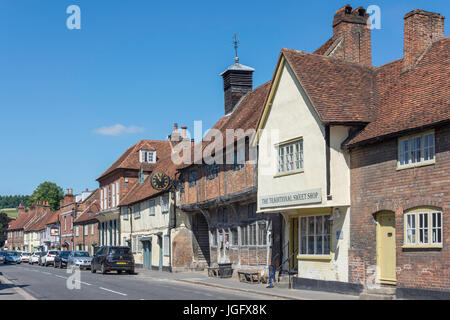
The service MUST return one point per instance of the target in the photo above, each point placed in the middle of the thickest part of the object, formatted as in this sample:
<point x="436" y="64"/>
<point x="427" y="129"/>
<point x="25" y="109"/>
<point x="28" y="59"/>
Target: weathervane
<point x="236" y="44"/>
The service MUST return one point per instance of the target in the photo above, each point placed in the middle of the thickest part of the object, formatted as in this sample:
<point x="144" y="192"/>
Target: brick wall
<point x="376" y="185"/>
<point x="88" y="239"/>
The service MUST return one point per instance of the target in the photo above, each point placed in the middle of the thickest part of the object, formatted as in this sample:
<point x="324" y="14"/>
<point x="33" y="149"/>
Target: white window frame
<point x="324" y="218"/>
<point x="113" y="192"/>
<point x="137" y="213"/>
<point x="77" y="231"/>
<point x="86" y="229"/>
<point x="164" y="204"/>
<point x="147" y="156"/>
<point x="290" y="157"/>
<point x="92" y="229"/>
<point x="152" y="207"/>
<point x="117" y="192"/>
<point x="101" y="198"/>
<point x="423" y="229"/>
<point x="407" y="148"/>
<point x="166" y="245"/>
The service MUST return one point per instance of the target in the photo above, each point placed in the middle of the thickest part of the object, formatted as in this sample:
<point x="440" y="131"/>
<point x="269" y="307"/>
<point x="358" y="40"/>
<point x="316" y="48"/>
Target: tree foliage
<point x="47" y="191"/>
<point x="4" y="220"/>
<point x="12" y="201"/>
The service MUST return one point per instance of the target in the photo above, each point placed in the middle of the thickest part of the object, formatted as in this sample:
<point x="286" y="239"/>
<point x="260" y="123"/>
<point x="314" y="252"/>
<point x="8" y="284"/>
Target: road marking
<point x="123" y="294"/>
<point x="60" y="276"/>
<point x="45" y="272"/>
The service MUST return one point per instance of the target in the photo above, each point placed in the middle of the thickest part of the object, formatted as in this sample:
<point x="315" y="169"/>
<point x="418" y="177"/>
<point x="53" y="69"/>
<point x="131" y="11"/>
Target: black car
<point x="109" y="258"/>
<point x="61" y="259"/>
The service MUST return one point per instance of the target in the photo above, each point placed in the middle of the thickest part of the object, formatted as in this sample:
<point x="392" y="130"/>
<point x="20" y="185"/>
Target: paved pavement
<point x="47" y="283"/>
<point x="202" y="279"/>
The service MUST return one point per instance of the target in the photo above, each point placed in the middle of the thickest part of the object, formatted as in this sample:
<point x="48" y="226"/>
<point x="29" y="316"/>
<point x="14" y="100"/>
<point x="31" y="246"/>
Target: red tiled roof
<point x="411" y="99"/>
<point x="92" y="206"/>
<point x="130" y="158"/>
<point x="245" y="116"/>
<point x="144" y="191"/>
<point x="339" y="91"/>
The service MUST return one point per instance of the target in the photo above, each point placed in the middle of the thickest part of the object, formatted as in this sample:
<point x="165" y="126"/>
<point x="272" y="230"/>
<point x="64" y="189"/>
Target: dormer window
<point x="147" y="156"/>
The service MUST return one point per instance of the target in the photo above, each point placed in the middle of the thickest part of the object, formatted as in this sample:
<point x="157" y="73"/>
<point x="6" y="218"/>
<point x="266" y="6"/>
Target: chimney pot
<point x="184" y="131"/>
<point x="192" y="142"/>
<point x="175" y="127"/>
<point x="352" y="36"/>
<point x="421" y="29"/>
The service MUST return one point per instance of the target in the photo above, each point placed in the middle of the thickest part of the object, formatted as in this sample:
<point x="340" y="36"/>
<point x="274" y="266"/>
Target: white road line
<point x="45" y="272"/>
<point x="123" y="294"/>
<point x="60" y="276"/>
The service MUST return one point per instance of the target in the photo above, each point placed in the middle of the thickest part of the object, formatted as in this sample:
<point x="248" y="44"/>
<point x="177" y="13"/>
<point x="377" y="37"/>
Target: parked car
<point x="2" y="256"/>
<point x="12" y="257"/>
<point x="109" y="258"/>
<point x="48" y="258"/>
<point x="61" y="259"/>
<point x="25" y="257"/>
<point x="34" y="258"/>
<point x="80" y="259"/>
<point x="41" y="258"/>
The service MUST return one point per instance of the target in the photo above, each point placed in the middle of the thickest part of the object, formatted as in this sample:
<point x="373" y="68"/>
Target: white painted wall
<point x="291" y="116"/>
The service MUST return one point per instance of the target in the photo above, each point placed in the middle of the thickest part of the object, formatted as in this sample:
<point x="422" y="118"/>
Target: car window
<point x="53" y="252"/>
<point x="81" y="254"/>
<point x="120" y="251"/>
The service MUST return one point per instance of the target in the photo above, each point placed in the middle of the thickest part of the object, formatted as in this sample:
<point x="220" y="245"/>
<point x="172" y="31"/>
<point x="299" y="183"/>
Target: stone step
<point x="381" y="290"/>
<point x="373" y="296"/>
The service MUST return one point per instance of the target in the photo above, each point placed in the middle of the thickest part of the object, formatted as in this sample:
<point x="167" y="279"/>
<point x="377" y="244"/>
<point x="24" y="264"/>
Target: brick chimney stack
<point x="21" y="210"/>
<point x="237" y="82"/>
<point x="421" y="29"/>
<point x="352" y="39"/>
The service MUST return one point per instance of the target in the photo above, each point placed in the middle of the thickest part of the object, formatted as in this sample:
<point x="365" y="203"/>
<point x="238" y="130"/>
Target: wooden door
<point x="386" y="248"/>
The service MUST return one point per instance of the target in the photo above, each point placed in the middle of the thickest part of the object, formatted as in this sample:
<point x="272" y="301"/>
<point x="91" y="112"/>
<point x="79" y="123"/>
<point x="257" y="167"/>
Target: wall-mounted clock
<point x="160" y="181"/>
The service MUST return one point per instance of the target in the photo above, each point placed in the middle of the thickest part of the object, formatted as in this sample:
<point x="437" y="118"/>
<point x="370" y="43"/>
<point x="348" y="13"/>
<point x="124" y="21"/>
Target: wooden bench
<point x="213" y="272"/>
<point x="250" y="276"/>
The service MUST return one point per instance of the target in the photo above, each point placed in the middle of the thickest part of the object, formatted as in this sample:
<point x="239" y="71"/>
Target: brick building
<point x="70" y="208"/>
<point x="86" y="236"/>
<point x="374" y="143"/>
<point x="134" y="165"/>
<point x="220" y="196"/>
<point x="400" y="169"/>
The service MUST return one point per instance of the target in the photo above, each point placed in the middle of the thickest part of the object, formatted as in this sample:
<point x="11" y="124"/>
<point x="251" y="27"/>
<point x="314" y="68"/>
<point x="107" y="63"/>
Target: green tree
<point x="47" y="191"/>
<point x="4" y="220"/>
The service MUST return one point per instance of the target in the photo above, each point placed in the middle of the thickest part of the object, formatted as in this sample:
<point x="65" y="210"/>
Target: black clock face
<point x="160" y="181"/>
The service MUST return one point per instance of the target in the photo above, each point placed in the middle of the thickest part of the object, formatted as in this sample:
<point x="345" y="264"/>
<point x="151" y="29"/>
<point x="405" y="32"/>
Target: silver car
<point x="80" y="259"/>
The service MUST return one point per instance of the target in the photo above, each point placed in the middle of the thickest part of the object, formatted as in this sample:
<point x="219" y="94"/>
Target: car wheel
<point x="103" y="269"/>
<point x="131" y="271"/>
<point x="92" y="269"/>
<point x="119" y="271"/>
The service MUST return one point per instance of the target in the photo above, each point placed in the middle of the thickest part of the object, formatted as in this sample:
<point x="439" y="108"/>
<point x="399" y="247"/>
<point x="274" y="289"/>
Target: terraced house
<point x="86" y="236"/>
<point x="70" y="208"/>
<point x="134" y="164"/>
<point x="154" y="226"/>
<point x="220" y="197"/>
<point x="356" y="158"/>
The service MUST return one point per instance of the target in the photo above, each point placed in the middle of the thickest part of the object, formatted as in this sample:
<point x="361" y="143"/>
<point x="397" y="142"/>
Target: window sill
<point x="288" y="173"/>
<point x="314" y="257"/>
<point x="423" y="246"/>
<point x="418" y="165"/>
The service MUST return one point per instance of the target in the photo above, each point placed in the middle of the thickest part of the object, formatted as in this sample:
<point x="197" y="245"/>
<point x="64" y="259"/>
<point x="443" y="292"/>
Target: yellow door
<point x="293" y="247"/>
<point x="386" y="253"/>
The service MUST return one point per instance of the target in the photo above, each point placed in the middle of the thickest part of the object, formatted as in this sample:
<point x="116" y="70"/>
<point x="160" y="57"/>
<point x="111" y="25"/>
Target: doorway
<point x="160" y="252"/>
<point x="386" y="248"/>
<point x="293" y="246"/>
<point x="147" y="261"/>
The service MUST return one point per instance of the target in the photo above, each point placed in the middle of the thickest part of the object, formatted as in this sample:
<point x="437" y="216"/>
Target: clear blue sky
<point x="144" y="65"/>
